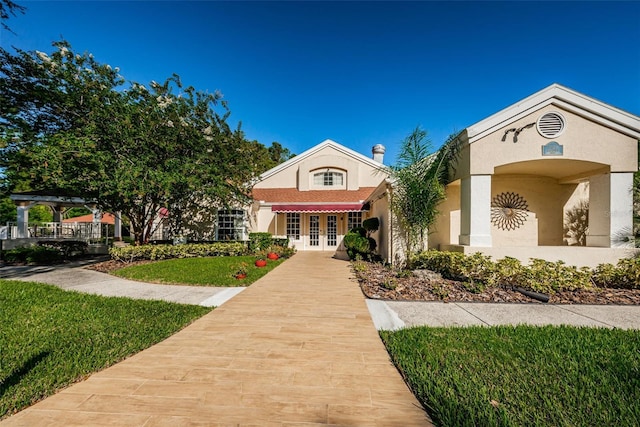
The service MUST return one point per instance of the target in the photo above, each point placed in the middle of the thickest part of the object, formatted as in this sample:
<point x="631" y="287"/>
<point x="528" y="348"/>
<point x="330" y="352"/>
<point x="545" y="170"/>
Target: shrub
<point x="283" y="251"/>
<point x="357" y="245"/>
<point x="359" y="230"/>
<point x="390" y="284"/>
<point x="33" y="255"/>
<point x="263" y="241"/>
<point x="259" y="241"/>
<point x="624" y="275"/>
<point x="359" y="266"/>
<point x="448" y="264"/>
<point x="280" y="241"/>
<point x="550" y="277"/>
<point x="371" y="225"/>
<point x="157" y="252"/>
<point x="68" y="248"/>
<point x="509" y="272"/>
<point x="478" y="272"/>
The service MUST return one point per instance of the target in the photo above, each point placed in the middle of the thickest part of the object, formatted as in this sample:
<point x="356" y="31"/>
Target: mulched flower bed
<point x="380" y="282"/>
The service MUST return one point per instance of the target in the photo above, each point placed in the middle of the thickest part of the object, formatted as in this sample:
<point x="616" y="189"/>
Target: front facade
<point x="316" y="197"/>
<point x="550" y="177"/>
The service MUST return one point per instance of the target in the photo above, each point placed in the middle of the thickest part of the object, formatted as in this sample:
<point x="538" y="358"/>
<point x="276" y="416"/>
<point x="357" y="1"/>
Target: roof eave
<point x="326" y="143"/>
<point x="566" y="98"/>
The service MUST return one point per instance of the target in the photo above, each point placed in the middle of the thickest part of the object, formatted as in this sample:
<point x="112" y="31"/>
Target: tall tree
<point x="418" y="181"/>
<point x="265" y="158"/>
<point x="9" y="8"/>
<point x="138" y="150"/>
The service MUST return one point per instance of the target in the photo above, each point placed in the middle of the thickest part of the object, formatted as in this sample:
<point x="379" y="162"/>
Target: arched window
<point x="328" y="178"/>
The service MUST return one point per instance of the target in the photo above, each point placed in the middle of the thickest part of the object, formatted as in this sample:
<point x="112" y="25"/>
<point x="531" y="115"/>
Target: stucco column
<point x="96" y="229"/>
<point x="23" y="221"/>
<point x="610" y="209"/>
<point x="475" y="211"/>
<point x="57" y="213"/>
<point x="621" y="226"/>
<point x="57" y="220"/>
<point x="117" y="227"/>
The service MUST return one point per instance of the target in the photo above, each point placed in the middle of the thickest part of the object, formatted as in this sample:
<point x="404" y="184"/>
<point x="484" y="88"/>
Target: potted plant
<point x="261" y="262"/>
<point x="241" y="272"/>
<point x="272" y="255"/>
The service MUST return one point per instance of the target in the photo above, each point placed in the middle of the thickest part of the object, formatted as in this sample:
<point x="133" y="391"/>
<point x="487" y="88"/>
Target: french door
<point x="323" y="232"/>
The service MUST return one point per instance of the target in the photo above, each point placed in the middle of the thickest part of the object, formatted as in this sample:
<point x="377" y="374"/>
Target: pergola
<point x="57" y="200"/>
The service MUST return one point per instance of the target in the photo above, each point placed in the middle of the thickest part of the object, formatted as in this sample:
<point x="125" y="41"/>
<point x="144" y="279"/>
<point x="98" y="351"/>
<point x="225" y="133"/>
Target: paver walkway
<point x="297" y="348"/>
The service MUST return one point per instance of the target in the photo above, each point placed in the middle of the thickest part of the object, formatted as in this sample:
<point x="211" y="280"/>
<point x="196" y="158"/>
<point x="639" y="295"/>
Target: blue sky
<point x="359" y="73"/>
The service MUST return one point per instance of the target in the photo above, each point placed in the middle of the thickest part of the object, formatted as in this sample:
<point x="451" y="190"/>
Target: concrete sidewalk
<point x="387" y="315"/>
<point x="74" y="277"/>
<point x="297" y="348"/>
<point x="393" y="315"/>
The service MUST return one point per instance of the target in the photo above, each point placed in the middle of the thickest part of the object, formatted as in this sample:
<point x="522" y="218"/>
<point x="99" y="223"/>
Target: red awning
<point x="318" y="208"/>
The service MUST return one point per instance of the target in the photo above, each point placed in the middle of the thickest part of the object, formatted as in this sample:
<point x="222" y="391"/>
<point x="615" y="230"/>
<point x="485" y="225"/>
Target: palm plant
<point x="418" y="180"/>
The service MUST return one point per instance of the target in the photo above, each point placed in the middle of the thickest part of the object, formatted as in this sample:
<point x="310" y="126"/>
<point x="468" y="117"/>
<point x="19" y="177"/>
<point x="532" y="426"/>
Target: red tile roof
<point x="107" y="218"/>
<point x="293" y="195"/>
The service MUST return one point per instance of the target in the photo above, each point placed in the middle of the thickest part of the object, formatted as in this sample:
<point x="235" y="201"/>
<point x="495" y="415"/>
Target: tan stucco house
<point x="528" y="171"/>
<point x="548" y="177"/>
<point x="316" y="197"/>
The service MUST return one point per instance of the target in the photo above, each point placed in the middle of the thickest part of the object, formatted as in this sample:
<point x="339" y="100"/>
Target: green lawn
<point x="50" y="338"/>
<point x="208" y="271"/>
<point x="522" y="376"/>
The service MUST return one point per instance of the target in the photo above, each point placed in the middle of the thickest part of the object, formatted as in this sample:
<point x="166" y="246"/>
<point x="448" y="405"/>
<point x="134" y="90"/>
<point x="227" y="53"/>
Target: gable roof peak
<point x="565" y="98"/>
<point x="315" y="149"/>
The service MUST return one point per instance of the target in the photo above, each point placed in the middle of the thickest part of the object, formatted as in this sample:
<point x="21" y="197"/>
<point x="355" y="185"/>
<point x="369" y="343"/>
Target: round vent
<point x="550" y="125"/>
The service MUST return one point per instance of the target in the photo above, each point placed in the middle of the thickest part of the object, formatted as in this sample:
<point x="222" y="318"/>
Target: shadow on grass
<point x="16" y="376"/>
<point x="9" y="271"/>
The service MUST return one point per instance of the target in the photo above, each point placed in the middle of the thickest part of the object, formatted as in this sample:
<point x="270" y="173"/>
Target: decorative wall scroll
<point x="516" y="132"/>
<point x="509" y="211"/>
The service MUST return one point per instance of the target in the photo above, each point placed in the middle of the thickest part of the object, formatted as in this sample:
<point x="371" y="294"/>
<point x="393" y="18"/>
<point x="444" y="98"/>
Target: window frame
<point x="231" y="222"/>
<point x="292" y="220"/>
<point x="351" y="221"/>
<point x="327" y="179"/>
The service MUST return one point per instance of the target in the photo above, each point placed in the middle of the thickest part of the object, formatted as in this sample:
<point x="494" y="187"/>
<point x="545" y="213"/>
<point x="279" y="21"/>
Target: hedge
<point x="625" y="274"/>
<point x="157" y="252"/>
<point x="478" y="271"/>
<point x="46" y="252"/>
<point x="261" y="241"/>
<point x="33" y="255"/>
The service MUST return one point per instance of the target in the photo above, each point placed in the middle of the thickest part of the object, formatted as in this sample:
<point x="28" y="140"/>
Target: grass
<point x="50" y="338"/>
<point x="208" y="271"/>
<point x="522" y="376"/>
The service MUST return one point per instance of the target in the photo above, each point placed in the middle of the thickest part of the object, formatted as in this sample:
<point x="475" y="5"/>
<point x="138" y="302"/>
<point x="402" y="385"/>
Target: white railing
<point x="56" y="230"/>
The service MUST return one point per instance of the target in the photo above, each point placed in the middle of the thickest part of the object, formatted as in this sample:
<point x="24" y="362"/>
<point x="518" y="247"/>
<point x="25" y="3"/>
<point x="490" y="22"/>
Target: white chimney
<point x="378" y="152"/>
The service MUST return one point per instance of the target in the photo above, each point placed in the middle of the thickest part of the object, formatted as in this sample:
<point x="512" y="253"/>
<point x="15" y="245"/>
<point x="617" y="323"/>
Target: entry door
<point x="331" y="240"/>
<point x="323" y="232"/>
<point x="314" y="231"/>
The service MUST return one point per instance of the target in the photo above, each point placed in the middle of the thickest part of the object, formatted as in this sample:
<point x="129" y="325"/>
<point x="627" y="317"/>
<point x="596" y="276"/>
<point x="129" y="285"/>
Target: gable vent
<point x="550" y="125"/>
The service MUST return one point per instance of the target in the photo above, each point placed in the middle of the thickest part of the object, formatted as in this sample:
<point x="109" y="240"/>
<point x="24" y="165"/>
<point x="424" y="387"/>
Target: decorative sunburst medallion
<point x="508" y="211"/>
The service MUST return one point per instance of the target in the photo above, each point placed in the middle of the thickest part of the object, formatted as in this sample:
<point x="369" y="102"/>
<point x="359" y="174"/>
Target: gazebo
<point x="23" y="232"/>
